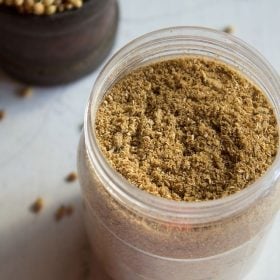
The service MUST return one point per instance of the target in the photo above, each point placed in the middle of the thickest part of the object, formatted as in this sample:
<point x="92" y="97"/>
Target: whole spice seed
<point x="48" y="2"/>
<point x="2" y="115"/>
<point x="50" y="10"/>
<point x="60" y="213"/>
<point x="8" y="2"/>
<point x="38" y="205"/>
<point x="76" y="3"/>
<point x="25" y="92"/>
<point x="229" y="29"/>
<point x="18" y="2"/>
<point x="63" y="211"/>
<point x="69" y="6"/>
<point x="71" y="177"/>
<point x="187" y="129"/>
<point x="43" y="7"/>
<point x="61" y="8"/>
<point x="39" y="9"/>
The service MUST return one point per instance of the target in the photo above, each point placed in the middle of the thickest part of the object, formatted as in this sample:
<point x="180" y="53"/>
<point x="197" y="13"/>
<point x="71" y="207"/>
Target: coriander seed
<point x="25" y="92"/>
<point x="2" y="115"/>
<point x="71" y="177"/>
<point x="38" y="205"/>
<point x="60" y="213"/>
<point x="18" y="2"/>
<point x="39" y="9"/>
<point x="229" y="29"/>
<point x="50" y="10"/>
<point x="48" y="2"/>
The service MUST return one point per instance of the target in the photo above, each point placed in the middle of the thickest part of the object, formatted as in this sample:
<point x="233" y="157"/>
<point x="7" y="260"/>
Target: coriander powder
<point x="188" y="129"/>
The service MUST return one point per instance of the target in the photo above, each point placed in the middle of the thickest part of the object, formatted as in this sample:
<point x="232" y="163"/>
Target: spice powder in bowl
<point x="187" y="129"/>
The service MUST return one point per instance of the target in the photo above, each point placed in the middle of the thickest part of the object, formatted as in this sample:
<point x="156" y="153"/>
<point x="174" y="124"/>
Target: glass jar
<point x="135" y="235"/>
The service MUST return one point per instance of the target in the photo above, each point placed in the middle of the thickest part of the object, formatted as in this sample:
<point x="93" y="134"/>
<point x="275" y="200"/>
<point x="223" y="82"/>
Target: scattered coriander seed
<point x="38" y="205"/>
<point x="60" y="213"/>
<point x="2" y="114"/>
<point x="229" y="29"/>
<point x="71" y="177"/>
<point x="25" y="92"/>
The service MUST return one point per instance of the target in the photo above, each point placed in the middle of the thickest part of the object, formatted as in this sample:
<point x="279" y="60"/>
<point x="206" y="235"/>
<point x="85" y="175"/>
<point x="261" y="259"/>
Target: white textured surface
<point x="39" y="137"/>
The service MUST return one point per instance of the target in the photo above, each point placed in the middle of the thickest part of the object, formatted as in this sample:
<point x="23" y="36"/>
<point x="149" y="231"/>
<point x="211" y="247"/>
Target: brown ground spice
<point x="229" y="29"/>
<point x="187" y="129"/>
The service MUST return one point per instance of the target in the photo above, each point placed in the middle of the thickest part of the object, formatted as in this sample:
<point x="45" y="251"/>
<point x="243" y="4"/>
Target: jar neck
<point x="169" y="43"/>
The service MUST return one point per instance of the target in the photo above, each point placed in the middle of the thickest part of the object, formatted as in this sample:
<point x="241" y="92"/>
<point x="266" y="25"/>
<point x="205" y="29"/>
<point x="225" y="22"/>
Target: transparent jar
<point x="135" y="235"/>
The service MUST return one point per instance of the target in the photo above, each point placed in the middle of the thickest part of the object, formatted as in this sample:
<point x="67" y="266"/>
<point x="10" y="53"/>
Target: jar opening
<point x="165" y="43"/>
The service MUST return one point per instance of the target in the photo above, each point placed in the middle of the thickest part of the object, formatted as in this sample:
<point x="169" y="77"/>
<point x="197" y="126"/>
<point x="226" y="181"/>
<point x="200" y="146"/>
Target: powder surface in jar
<point x="188" y="129"/>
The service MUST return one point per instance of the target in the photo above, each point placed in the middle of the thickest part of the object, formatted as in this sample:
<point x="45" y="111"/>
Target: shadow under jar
<point x="57" y="49"/>
<point x="135" y="235"/>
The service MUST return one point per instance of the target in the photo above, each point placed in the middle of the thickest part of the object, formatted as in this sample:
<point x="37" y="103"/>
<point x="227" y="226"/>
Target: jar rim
<point x="157" y="207"/>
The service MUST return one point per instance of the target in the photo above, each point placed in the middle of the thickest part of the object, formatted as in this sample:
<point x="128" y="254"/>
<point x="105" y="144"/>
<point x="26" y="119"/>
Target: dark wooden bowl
<point x="51" y="50"/>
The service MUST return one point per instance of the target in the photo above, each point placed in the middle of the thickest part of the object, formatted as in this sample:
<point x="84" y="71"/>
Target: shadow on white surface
<point x="37" y="150"/>
<point x="42" y="248"/>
